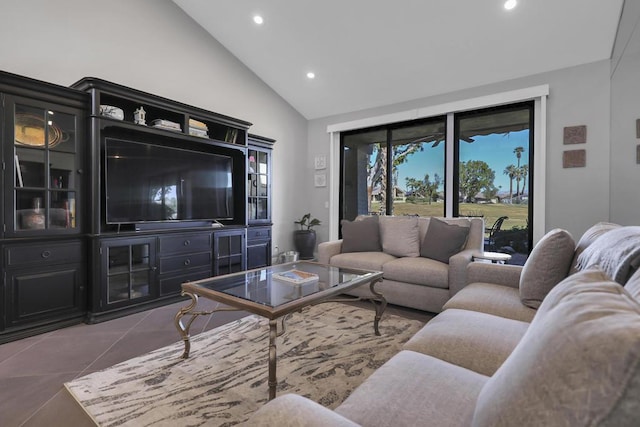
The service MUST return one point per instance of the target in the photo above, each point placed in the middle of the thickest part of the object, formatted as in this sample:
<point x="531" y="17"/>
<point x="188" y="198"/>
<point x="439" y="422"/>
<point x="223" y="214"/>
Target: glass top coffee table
<point x="275" y="293"/>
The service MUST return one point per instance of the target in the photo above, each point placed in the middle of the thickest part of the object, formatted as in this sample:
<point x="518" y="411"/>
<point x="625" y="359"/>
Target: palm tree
<point x="518" y="173"/>
<point x="517" y="176"/>
<point x="524" y="170"/>
<point x="518" y="152"/>
<point x="510" y="171"/>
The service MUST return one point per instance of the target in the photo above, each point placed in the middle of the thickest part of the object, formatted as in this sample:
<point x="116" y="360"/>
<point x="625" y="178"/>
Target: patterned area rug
<point x="326" y="352"/>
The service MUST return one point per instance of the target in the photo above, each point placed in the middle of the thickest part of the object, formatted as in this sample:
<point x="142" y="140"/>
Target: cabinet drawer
<point x="185" y="243"/>
<point x="258" y="233"/>
<point x="50" y="253"/>
<point x="173" y="284"/>
<point x="182" y="262"/>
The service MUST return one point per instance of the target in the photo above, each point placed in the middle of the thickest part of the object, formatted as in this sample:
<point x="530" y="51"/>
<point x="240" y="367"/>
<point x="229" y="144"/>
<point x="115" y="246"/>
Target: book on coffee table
<point x="295" y="276"/>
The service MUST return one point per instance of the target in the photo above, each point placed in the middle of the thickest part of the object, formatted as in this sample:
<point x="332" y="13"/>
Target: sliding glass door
<point x="400" y="169"/>
<point x="494" y="160"/>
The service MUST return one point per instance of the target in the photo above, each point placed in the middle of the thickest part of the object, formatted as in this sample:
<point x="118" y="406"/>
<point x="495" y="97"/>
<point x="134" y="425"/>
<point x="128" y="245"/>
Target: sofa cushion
<point x="399" y="235"/>
<point x="419" y="271"/>
<point x="361" y="235"/>
<point x="443" y="240"/>
<point x="414" y="389"/>
<point x="493" y="299"/>
<point x="364" y="260"/>
<point x="589" y="237"/>
<point x="471" y="339"/>
<point x="547" y="265"/>
<point x="292" y="410"/>
<point x="592" y="374"/>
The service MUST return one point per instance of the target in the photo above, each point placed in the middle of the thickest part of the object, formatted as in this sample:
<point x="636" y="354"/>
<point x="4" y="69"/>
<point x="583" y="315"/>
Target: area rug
<point x="326" y="352"/>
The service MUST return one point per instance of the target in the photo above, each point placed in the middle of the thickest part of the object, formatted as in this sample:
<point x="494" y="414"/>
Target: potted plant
<point x="304" y="239"/>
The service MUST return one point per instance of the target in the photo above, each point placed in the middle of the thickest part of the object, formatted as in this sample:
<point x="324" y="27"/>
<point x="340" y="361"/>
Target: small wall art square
<point x="320" y="180"/>
<point x="574" y="158"/>
<point x="638" y="154"/>
<point x="575" y="134"/>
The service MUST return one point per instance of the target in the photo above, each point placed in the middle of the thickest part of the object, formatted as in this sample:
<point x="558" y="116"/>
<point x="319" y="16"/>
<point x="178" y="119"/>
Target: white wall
<point x="575" y="198"/>
<point x="151" y="45"/>
<point x="625" y="110"/>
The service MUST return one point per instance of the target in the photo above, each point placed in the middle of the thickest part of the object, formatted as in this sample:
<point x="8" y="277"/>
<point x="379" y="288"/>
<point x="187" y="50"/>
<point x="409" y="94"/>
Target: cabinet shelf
<point x="207" y="126"/>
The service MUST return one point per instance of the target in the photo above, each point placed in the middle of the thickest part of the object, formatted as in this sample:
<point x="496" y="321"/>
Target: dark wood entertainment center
<point x="65" y="258"/>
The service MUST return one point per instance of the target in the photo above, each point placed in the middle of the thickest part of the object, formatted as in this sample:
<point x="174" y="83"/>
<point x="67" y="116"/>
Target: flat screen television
<point x="153" y="183"/>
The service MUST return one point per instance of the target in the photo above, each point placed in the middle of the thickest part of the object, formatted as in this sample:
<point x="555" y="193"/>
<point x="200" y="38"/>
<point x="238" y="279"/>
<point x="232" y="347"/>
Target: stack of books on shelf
<point x="197" y="128"/>
<point x="166" y="124"/>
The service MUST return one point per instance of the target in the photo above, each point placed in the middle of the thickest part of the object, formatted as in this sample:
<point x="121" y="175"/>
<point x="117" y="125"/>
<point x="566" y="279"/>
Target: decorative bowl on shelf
<point x="112" y="112"/>
<point x="29" y="130"/>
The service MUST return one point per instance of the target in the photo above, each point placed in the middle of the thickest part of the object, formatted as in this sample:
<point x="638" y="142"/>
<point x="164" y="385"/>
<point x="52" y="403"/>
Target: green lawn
<point x="490" y="212"/>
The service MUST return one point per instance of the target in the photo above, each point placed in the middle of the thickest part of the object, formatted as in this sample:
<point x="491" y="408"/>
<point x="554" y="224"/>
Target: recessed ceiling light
<point x="258" y="19"/>
<point x="311" y="75"/>
<point x="510" y="4"/>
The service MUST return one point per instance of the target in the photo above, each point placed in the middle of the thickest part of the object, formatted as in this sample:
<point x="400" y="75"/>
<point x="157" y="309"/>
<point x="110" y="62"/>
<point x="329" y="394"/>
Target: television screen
<point x="146" y="182"/>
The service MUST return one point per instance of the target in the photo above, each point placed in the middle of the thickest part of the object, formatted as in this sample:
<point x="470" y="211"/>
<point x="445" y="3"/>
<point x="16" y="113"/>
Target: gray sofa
<point x="514" y="347"/>
<point x="424" y="260"/>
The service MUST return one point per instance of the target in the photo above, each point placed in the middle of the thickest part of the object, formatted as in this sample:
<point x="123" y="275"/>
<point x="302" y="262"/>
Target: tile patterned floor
<point x="33" y="370"/>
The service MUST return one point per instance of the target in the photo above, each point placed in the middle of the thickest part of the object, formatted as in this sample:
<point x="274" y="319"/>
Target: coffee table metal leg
<point x="182" y="329"/>
<point x="380" y="307"/>
<point x="273" y="334"/>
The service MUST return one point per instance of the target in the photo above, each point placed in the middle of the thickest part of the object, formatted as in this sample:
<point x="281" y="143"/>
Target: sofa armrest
<point x="458" y="270"/>
<point x="500" y="274"/>
<point x="328" y="249"/>
<point x="291" y="410"/>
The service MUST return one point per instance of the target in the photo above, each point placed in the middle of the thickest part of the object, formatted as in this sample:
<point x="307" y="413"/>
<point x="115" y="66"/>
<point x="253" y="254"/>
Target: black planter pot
<point x="305" y="243"/>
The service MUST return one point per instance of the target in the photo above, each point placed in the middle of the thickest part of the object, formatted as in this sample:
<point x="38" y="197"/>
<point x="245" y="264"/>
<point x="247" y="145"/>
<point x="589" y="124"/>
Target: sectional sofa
<point x="424" y="260"/>
<point x="553" y="343"/>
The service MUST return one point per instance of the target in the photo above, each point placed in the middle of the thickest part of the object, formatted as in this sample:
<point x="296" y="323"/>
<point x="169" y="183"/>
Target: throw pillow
<point x="399" y="235"/>
<point x="361" y="235"/>
<point x="577" y="364"/>
<point x="443" y="240"/>
<point x="547" y="265"/>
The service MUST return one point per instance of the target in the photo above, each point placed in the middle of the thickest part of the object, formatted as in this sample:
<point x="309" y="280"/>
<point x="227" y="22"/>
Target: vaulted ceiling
<point x="370" y="53"/>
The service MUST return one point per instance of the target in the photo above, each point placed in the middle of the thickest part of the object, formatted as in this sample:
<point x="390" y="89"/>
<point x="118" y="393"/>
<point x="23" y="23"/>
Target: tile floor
<point x="33" y="370"/>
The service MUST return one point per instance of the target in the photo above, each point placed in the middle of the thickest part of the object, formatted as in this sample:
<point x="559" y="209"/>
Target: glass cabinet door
<point x="259" y="185"/>
<point x="45" y="163"/>
<point x="129" y="271"/>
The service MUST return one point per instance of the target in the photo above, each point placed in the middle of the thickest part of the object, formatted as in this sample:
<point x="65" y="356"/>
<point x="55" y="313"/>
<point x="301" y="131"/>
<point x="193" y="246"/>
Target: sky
<point x="496" y="150"/>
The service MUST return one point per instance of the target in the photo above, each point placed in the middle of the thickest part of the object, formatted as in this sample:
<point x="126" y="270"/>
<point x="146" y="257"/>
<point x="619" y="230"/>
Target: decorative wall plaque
<point x="320" y="180"/>
<point x="575" y="134"/>
<point x="574" y="158"/>
<point x="638" y="154"/>
<point x="637" y="128"/>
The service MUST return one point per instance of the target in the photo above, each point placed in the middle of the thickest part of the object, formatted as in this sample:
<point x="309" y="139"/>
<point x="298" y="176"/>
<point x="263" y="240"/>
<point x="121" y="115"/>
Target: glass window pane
<point x="62" y="131"/>
<point x="118" y="260"/>
<point x="30" y="167"/>
<point x="30" y="210"/>
<point x="62" y="170"/>
<point x="29" y="126"/>
<point x="262" y="209"/>
<point x="262" y="185"/>
<point x="364" y="173"/>
<point x="418" y="169"/>
<point x="119" y="287"/>
<point x="62" y="212"/>
<point x="252" y="161"/>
